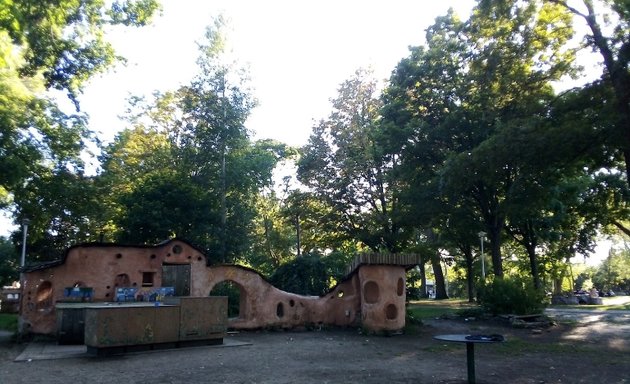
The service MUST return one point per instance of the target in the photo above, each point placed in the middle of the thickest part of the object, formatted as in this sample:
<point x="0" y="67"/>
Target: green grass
<point x="8" y="322"/>
<point x="427" y="309"/>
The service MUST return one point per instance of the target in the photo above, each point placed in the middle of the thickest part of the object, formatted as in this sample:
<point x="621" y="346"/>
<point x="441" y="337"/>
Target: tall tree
<point x="346" y="168"/>
<point x="189" y="160"/>
<point x="459" y="100"/>
<point x="52" y="45"/>
<point x="609" y="22"/>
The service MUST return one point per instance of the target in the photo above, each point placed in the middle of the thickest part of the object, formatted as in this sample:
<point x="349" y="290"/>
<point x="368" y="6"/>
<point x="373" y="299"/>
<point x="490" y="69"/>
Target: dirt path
<point x="555" y="355"/>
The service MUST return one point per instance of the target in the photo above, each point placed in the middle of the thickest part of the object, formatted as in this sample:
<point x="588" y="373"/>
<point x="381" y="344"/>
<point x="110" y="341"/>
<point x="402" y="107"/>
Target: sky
<point x="298" y="52"/>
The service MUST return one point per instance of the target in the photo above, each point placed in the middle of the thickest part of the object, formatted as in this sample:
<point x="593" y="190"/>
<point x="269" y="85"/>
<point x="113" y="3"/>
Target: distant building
<point x="10" y="298"/>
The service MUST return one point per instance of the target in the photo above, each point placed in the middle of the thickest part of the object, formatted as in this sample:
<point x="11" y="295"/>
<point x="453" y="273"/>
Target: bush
<point x="233" y="293"/>
<point x="305" y="275"/>
<point x="511" y="296"/>
<point x="8" y="322"/>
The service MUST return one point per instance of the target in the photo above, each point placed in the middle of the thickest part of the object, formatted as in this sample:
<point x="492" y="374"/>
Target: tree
<point x="614" y="49"/>
<point x="9" y="262"/>
<point x="346" y="169"/>
<point x="64" y="40"/>
<point x="187" y="166"/>
<point x="52" y="45"/>
<point x="452" y="107"/>
<point x="614" y="272"/>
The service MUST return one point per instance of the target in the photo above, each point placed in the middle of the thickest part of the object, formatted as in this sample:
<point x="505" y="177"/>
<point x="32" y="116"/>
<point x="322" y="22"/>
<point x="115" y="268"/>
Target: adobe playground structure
<point x="371" y="296"/>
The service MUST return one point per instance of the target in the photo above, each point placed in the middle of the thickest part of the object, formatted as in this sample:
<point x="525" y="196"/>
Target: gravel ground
<point x="564" y="353"/>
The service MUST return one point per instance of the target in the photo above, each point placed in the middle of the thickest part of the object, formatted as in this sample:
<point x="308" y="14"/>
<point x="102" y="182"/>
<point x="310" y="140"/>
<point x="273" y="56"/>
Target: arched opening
<point x="236" y="295"/>
<point x="122" y="281"/>
<point x="43" y="297"/>
<point x="280" y="310"/>
<point x="371" y="292"/>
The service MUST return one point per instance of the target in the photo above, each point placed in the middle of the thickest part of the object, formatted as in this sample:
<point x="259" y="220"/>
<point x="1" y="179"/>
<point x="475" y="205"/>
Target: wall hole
<point x="236" y="297"/>
<point x="292" y="302"/>
<point x="371" y="292"/>
<point x="177" y="249"/>
<point x="147" y="279"/>
<point x="280" y="310"/>
<point x="391" y="312"/>
<point x="340" y="294"/>
<point x="119" y="255"/>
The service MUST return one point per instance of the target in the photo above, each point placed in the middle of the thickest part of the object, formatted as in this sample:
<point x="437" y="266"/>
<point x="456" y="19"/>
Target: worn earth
<point x="595" y="350"/>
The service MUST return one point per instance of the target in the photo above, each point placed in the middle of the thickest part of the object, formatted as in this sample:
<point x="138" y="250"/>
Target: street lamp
<point x="482" y="238"/>
<point x="25" y="223"/>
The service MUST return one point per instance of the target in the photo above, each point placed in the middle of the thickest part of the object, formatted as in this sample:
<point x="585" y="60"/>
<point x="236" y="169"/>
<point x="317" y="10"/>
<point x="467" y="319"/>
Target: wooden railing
<point x="403" y="259"/>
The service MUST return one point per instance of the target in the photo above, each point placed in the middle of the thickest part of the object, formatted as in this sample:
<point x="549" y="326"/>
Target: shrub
<point x="511" y="296"/>
<point x="305" y="275"/>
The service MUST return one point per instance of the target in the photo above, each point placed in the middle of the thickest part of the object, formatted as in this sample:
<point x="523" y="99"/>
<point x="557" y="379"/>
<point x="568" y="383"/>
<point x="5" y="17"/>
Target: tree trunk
<point x="423" y="279"/>
<point x="469" y="274"/>
<point x="533" y="265"/>
<point x="495" y="246"/>
<point x="298" y="231"/>
<point x="440" y="287"/>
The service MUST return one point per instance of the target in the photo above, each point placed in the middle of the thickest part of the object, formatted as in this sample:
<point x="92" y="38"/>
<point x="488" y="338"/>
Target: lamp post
<point x="25" y="223"/>
<point x="482" y="238"/>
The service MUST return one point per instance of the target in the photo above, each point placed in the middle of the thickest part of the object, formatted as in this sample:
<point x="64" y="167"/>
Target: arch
<point x="236" y="294"/>
<point x="122" y="280"/>
<point x="43" y="296"/>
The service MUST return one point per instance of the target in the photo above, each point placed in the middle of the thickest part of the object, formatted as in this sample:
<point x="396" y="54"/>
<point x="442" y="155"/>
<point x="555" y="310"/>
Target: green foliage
<point x="9" y="322"/>
<point x="64" y="40"/>
<point x="347" y="171"/>
<point x="47" y="45"/>
<point x="9" y="262"/>
<point x="510" y="296"/>
<point x="187" y="166"/>
<point x="162" y="207"/>
<point x="305" y="275"/>
<point x="614" y="272"/>
<point x="233" y="293"/>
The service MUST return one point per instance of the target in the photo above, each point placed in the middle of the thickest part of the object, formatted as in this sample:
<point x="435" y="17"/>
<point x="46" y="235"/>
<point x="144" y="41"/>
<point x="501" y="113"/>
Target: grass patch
<point x="427" y="309"/>
<point x="9" y="322"/>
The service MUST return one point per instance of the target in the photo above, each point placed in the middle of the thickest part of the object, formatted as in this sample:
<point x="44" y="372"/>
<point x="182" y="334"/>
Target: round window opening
<point x="371" y="292"/>
<point x="44" y="292"/>
<point x="177" y="249"/>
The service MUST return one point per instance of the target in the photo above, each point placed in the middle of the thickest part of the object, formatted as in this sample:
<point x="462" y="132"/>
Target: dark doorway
<point x="178" y="277"/>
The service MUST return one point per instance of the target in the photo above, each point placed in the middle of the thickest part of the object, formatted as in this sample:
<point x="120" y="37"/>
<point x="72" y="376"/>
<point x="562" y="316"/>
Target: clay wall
<point x="372" y="296"/>
<point x="102" y="268"/>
